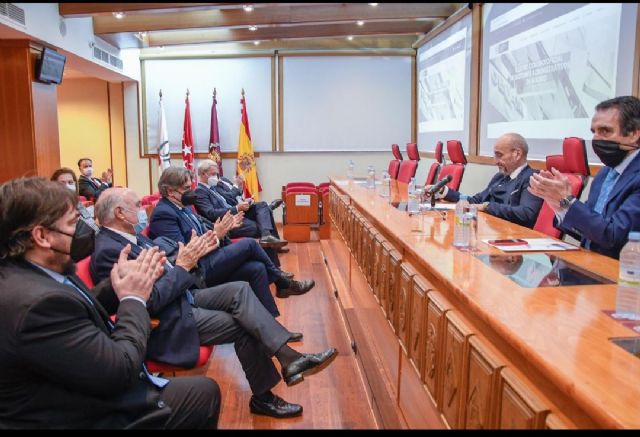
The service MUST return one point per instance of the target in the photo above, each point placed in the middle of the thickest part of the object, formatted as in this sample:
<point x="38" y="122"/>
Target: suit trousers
<point x="231" y="313"/>
<point x="194" y="402"/>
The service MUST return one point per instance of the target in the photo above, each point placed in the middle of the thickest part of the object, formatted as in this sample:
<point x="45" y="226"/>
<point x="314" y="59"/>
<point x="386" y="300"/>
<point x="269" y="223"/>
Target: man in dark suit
<point x="216" y="196"/>
<point x="612" y="209"/>
<point x="63" y="363"/>
<point x="189" y="316"/>
<point x="91" y="187"/>
<point x="244" y="260"/>
<point x="506" y="196"/>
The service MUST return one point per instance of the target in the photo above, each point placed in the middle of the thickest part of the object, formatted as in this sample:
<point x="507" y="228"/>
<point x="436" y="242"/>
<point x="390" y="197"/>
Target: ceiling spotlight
<point x="253" y="28"/>
<point x="373" y="4"/>
<point x="247" y="8"/>
<point x="256" y="43"/>
<point x="350" y="38"/>
<point x="360" y="23"/>
<point x="119" y="15"/>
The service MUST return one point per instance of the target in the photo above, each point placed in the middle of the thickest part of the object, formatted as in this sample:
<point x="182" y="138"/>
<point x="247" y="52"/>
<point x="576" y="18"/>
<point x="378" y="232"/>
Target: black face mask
<point x="609" y="152"/>
<point x="82" y="241"/>
<point x="189" y="198"/>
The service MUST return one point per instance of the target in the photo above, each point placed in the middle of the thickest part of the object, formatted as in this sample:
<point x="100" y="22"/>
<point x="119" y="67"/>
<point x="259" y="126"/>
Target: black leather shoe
<point x="306" y="365"/>
<point x="283" y="250"/>
<point x="295" y="336"/>
<point x="296" y="288"/>
<point x="275" y="204"/>
<point x="271" y="241"/>
<point x="287" y="275"/>
<point x="277" y="408"/>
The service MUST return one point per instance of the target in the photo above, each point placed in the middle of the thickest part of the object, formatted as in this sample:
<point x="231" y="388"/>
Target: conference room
<point x="442" y="200"/>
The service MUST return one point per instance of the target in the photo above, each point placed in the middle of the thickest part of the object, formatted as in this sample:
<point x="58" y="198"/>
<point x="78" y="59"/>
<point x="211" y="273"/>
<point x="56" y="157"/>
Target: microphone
<point x="438" y="185"/>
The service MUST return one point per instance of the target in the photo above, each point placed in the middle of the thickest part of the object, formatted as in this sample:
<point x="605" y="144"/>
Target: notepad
<point x="534" y="244"/>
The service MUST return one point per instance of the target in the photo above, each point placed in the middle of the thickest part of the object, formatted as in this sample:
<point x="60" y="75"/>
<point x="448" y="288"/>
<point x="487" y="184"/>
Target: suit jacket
<point x="510" y="201"/>
<point x="230" y="194"/>
<point x="608" y="231"/>
<point x="60" y="366"/>
<point x="208" y="205"/>
<point x="88" y="189"/>
<point x="167" y="220"/>
<point x="175" y="340"/>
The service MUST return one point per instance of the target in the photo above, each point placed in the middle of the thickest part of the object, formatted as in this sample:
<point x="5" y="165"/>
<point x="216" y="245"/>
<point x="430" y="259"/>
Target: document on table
<point x="533" y="244"/>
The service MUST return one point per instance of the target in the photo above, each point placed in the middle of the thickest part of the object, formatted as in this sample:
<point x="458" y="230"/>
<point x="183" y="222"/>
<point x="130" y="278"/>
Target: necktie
<point x="158" y="382"/>
<point x="194" y="221"/>
<point x="221" y="198"/>
<point x="605" y="191"/>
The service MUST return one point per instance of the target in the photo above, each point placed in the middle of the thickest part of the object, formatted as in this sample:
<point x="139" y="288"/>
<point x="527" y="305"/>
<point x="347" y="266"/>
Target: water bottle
<point x="412" y="203"/>
<point x="473" y="227"/>
<point x="385" y="188"/>
<point x="371" y="177"/>
<point x="628" y="293"/>
<point x="350" y="169"/>
<point x="462" y="224"/>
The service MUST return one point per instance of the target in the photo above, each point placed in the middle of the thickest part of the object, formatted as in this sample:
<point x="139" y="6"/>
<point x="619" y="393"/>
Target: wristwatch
<point x="566" y="202"/>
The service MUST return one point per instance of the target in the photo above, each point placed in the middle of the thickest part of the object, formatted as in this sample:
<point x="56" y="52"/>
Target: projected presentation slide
<point x="443" y="76"/>
<point x="546" y="66"/>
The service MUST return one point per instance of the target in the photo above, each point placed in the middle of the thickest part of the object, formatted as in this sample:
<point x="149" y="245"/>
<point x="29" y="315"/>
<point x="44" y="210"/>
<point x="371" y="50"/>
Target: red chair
<point x="457" y="166"/>
<point x="432" y="176"/>
<point x="394" y="164"/>
<point x="83" y="272"/>
<point x="409" y="167"/>
<point x="573" y="164"/>
<point x="82" y="199"/>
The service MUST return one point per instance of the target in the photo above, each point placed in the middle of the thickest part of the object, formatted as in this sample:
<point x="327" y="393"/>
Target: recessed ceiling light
<point x="247" y="8"/>
<point x="360" y="23"/>
<point x="373" y="4"/>
<point x="256" y="43"/>
<point x="253" y="28"/>
<point x="119" y="15"/>
<point x="350" y="38"/>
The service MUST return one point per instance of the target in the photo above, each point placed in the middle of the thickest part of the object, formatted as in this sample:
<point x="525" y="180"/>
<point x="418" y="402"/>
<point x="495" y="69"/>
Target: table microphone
<point x="438" y="185"/>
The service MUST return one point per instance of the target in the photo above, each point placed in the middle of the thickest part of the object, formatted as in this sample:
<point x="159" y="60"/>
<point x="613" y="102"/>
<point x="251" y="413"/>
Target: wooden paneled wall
<point x="29" y="143"/>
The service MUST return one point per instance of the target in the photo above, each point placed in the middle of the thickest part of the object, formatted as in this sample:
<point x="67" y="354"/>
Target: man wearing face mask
<point x="244" y="260"/>
<point x="89" y="186"/>
<point x="63" y="362"/>
<point x="67" y="177"/>
<point x="612" y="209"/>
<point x="506" y="196"/>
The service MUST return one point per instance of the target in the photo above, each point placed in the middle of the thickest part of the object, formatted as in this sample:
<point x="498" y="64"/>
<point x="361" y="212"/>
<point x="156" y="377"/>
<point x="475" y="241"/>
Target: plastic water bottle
<point x="462" y="225"/>
<point x="628" y="294"/>
<point x="371" y="177"/>
<point x="350" y="169"/>
<point x="473" y="227"/>
<point x="413" y="205"/>
<point x="385" y="188"/>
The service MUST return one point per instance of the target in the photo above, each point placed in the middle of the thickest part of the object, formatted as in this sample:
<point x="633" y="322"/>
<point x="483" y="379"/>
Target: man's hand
<point x="482" y="206"/>
<point x="107" y="175"/>
<point x="189" y="254"/>
<point x="239" y="182"/>
<point x="223" y="224"/>
<point x="137" y="279"/>
<point x="243" y="206"/>
<point x="237" y="220"/>
<point x="551" y="186"/>
<point x="211" y="242"/>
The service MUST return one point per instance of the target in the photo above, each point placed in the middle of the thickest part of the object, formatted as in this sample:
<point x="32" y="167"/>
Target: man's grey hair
<point x="108" y="201"/>
<point x="517" y="141"/>
<point x="172" y="178"/>
<point x="205" y="165"/>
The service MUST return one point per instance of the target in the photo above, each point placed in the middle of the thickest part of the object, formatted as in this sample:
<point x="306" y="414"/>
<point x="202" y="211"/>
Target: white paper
<point x="534" y="244"/>
<point x="303" y="200"/>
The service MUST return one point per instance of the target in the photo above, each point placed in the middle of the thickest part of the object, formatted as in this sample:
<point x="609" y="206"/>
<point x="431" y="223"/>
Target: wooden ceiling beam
<point x="70" y="10"/>
<point x="270" y="33"/>
<point x="271" y="15"/>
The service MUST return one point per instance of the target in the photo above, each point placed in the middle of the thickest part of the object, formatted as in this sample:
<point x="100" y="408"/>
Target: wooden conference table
<point x="483" y="351"/>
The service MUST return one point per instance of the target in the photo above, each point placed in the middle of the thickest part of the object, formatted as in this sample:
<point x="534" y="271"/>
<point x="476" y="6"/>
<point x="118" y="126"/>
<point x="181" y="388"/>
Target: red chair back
<point x="412" y="152"/>
<point x="395" y="149"/>
<point x="407" y="170"/>
<point x="300" y="184"/>
<point x="456" y="153"/>
<point x="394" y="168"/>
<point x="433" y="174"/>
<point x="456" y="171"/>
<point x="544" y="222"/>
<point x="574" y="152"/>
<point x="438" y="152"/>
<point x="82" y="270"/>
<point x="555" y="161"/>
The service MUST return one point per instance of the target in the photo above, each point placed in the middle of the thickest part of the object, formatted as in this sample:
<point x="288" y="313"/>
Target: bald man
<point x="506" y="196"/>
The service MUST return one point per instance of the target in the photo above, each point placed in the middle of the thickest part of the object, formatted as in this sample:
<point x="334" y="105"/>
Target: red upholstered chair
<point x="82" y="270"/>
<point x="573" y="164"/>
<point x="82" y="199"/>
<point x="432" y="176"/>
<point x="456" y="168"/>
<point x="394" y="164"/>
<point x="409" y="166"/>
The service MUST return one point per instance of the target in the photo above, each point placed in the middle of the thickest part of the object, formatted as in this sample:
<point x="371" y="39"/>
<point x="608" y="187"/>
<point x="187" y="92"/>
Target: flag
<point x="187" y="138"/>
<point x="246" y="160"/>
<point x="164" y="158"/>
<point x="214" y="136"/>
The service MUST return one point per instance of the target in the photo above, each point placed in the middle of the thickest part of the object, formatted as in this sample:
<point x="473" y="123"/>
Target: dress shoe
<point x="308" y="364"/>
<point x="295" y="336"/>
<point x="271" y="241"/>
<point x="277" y="408"/>
<point x="283" y="250"/>
<point x="275" y="204"/>
<point x="287" y="275"/>
<point x="296" y="288"/>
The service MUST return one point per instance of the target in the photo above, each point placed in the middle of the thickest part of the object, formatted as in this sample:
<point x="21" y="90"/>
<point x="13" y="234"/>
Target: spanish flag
<point x="246" y="160"/>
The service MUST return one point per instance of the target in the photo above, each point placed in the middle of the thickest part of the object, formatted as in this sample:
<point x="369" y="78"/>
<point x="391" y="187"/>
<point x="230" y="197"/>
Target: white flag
<point x="164" y="159"/>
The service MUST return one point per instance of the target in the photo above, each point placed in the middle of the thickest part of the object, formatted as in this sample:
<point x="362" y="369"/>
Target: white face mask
<point x="88" y="172"/>
<point x="213" y="181"/>
<point x="71" y="186"/>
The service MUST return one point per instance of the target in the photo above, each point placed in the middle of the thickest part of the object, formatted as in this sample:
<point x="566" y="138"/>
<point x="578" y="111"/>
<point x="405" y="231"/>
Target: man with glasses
<point x="506" y="196"/>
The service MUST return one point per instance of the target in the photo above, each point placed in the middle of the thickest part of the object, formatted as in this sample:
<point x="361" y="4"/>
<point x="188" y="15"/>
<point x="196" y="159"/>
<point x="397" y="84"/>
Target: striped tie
<point x="605" y="191"/>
